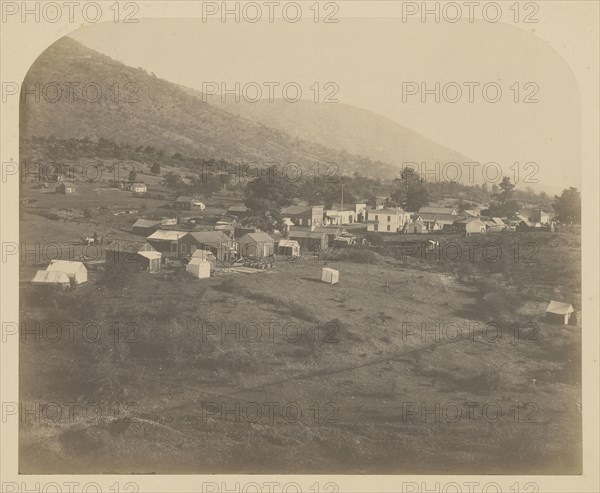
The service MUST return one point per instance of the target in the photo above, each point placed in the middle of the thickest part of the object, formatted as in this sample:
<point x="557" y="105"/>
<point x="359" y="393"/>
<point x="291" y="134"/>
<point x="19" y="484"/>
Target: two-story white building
<point x="387" y="220"/>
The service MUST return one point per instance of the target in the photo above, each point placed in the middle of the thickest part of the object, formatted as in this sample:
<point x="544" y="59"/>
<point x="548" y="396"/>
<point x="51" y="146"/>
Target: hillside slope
<point x="129" y="106"/>
<point x="345" y="127"/>
<point x="147" y="111"/>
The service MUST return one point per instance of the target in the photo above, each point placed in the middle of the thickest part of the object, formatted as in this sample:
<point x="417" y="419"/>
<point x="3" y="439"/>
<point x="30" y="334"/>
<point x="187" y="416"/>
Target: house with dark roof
<point x="453" y="211"/>
<point x="189" y="203"/>
<point x="166" y="241"/>
<point x="220" y="244"/>
<point x="332" y="232"/>
<point x="256" y="244"/>
<point x="534" y="215"/>
<point x="146" y="227"/>
<point x="239" y="211"/>
<point x="131" y="256"/>
<point x="470" y="226"/>
<point x="310" y="241"/>
<point x="304" y="215"/>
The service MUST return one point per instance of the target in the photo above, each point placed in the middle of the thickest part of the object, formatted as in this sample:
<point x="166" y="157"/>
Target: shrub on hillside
<point x="362" y="256"/>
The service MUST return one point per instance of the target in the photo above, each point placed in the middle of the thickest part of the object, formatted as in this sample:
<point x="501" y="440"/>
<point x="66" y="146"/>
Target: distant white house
<point x="75" y="271"/>
<point x="138" y="187"/>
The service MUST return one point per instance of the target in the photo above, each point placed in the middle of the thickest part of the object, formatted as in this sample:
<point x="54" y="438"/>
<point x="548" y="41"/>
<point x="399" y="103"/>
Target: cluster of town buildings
<point x="308" y="229"/>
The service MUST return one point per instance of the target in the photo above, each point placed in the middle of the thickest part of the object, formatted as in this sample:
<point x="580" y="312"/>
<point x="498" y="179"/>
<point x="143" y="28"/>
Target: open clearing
<point x="277" y="371"/>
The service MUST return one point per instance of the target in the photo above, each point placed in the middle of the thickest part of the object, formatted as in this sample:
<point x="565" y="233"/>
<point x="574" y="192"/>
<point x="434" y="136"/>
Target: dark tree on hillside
<point x="268" y="193"/>
<point x="155" y="168"/>
<point x="568" y="206"/>
<point x="502" y="204"/>
<point x="506" y="191"/>
<point x="173" y="180"/>
<point x="132" y="175"/>
<point x="410" y="191"/>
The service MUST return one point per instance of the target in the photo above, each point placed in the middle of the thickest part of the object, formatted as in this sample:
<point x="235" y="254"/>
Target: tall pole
<point x="342" y="206"/>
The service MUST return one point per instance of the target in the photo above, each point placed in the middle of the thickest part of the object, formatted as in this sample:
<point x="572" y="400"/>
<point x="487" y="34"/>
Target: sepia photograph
<point x="294" y="238"/>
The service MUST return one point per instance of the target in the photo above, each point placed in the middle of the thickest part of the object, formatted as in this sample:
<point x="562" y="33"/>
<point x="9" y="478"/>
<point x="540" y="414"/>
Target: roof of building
<point x="443" y="218"/>
<point x="146" y="223"/>
<point x="296" y="209"/>
<point x="125" y="246"/>
<point x="203" y="254"/>
<point x="328" y="230"/>
<point x="437" y="210"/>
<point x="471" y="212"/>
<point x="498" y="221"/>
<point x="238" y="208"/>
<point x="559" y="308"/>
<point x="66" y="266"/>
<point x="167" y="235"/>
<point x="138" y="184"/>
<point x="152" y="254"/>
<point x="210" y="237"/>
<point x="397" y="210"/>
<point x="257" y="237"/>
<point x="288" y="243"/>
<point x="352" y="206"/>
<point x="306" y="234"/>
<point x="185" y="198"/>
<point x="50" y="277"/>
<point x="531" y="224"/>
<point x="465" y="220"/>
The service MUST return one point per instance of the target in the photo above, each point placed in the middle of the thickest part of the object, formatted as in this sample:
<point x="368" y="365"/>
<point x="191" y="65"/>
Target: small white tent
<point x="558" y="312"/>
<point x="330" y="276"/>
<point x="74" y="270"/>
<point x="199" y="268"/>
<point x="45" y="278"/>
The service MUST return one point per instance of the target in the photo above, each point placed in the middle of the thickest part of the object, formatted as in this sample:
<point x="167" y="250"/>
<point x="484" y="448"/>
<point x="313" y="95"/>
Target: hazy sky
<point x="370" y="59"/>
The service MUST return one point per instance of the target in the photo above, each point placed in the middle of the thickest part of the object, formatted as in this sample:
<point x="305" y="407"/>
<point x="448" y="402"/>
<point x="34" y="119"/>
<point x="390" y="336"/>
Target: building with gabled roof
<point x="257" y="244"/>
<point x="453" y="211"/>
<point x="304" y="215"/>
<point x="145" y="227"/>
<point x="189" y="203"/>
<point x="166" y="241"/>
<point x="75" y="271"/>
<point x="310" y="241"/>
<point x="220" y="244"/>
<point x="387" y="220"/>
<point x="132" y="256"/>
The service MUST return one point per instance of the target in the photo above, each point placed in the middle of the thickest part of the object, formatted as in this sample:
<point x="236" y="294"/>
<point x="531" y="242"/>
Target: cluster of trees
<point x="567" y="206"/>
<point x="50" y="147"/>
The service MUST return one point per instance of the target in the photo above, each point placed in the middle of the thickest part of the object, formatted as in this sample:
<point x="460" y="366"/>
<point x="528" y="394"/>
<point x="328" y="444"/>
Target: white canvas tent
<point x="74" y="270"/>
<point x="558" y="312"/>
<point x="199" y="268"/>
<point x="46" y="278"/>
<point x="330" y="276"/>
